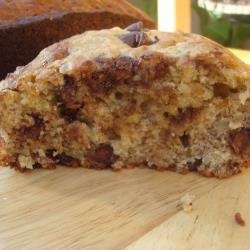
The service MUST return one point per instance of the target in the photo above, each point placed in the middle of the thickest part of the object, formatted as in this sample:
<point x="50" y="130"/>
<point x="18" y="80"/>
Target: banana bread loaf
<point x="28" y="26"/>
<point x="128" y="97"/>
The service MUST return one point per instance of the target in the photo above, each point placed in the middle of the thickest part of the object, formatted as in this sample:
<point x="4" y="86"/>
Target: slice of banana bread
<point x="120" y="98"/>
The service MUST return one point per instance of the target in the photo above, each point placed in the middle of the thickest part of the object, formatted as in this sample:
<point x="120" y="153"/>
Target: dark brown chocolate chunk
<point x="67" y="94"/>
<point x="68" y="114"/>
<point x="37" y="165"/>
<point x="152" y="66"/>
<point x="185" y="140"/>
<point x="239" y="220"/>
<point x="34" y="130"/>
<point x="101" y="80"/>
<point x="102" y="157"/>
<point x="156" y="40"/>
<point x="118" y="95"/>
<point x="62" y="158"/>
<point x="239" y="140"/>
<point x="185" y="115"/>
<point x="221" y="90"/>
<point x="135" y="26"/>
<point x="101" y="86"/>
<point x="192" y="166"/>
<point x="135" y="39"/>
<point x="123" y="67"/>
<point x="50" y="154"/>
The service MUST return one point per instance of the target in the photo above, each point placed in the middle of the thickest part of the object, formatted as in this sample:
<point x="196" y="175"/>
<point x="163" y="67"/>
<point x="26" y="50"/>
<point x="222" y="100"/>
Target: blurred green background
<point x="149" y="6"/>
<point x="228" y="30"/>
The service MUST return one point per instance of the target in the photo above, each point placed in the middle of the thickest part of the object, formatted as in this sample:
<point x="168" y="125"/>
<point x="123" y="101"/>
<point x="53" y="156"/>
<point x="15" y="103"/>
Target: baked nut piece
<point x="28" y="26"/>
<point x="119" y="98"/>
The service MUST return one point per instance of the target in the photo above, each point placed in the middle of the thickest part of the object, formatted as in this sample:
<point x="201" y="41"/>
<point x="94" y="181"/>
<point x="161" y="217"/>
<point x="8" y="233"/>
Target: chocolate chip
<point x="192" y="166"/>
<point x="102" y="157"/>
<point x="166" y="114"/>
<point x="101" y="86"/>
<point x="68" y="114"/>
<point x="137" y="38"/>
<point x="185" y="115"/>
<point x="101" y="80"/>
<point x="134" y="39"/>
<point x="67" y="93"/>
<point x="239" y="140"/>
<point x="156" y="40"/>
<point x="185" y="140"/>
<point x="37" y="165"/>
<point x="118" y="95"/>
<point x="221" y="90"/>
<point x="34" y="130"/>
<point x="152" y="66"/>
<point x="135" y="26"/>
<point x="62" y="158"/>
<point x="123" y="67"/>
<point x="112" y="134"/>
<point x="50" y="153"/>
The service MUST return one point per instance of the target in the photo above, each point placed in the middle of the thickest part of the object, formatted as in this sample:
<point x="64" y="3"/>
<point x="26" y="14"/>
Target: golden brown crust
<point x="69" y="55"/>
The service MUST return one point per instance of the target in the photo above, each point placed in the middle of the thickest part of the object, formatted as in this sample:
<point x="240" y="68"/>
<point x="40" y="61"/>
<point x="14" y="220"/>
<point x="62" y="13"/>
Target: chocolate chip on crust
<point x="136" y="39"/>
<point x="135" y="26"/>
<point x="66" y="160"/>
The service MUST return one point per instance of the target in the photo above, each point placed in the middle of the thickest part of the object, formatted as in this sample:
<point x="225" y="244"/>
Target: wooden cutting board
<point x="132" y="209"/>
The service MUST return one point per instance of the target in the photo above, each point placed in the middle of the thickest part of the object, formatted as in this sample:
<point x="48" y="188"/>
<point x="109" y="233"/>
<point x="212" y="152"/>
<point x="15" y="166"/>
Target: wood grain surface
<point x="132" y="209"/>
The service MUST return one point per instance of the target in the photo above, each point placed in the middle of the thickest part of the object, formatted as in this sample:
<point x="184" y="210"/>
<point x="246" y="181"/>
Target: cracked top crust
<point x="70" y="55"/>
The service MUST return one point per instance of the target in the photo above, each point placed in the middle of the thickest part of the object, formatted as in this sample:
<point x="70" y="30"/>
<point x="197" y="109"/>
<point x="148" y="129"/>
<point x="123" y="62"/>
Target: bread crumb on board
<point x="186" y="202"/>
<point x="239" y="219"/>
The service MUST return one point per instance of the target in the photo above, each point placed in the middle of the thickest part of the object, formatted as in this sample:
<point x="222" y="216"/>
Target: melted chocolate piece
<point x="192" y="166"/>
<point x="102" y="157"/>
<point x="239" y="140"/>
<point x="184" y="140"/>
